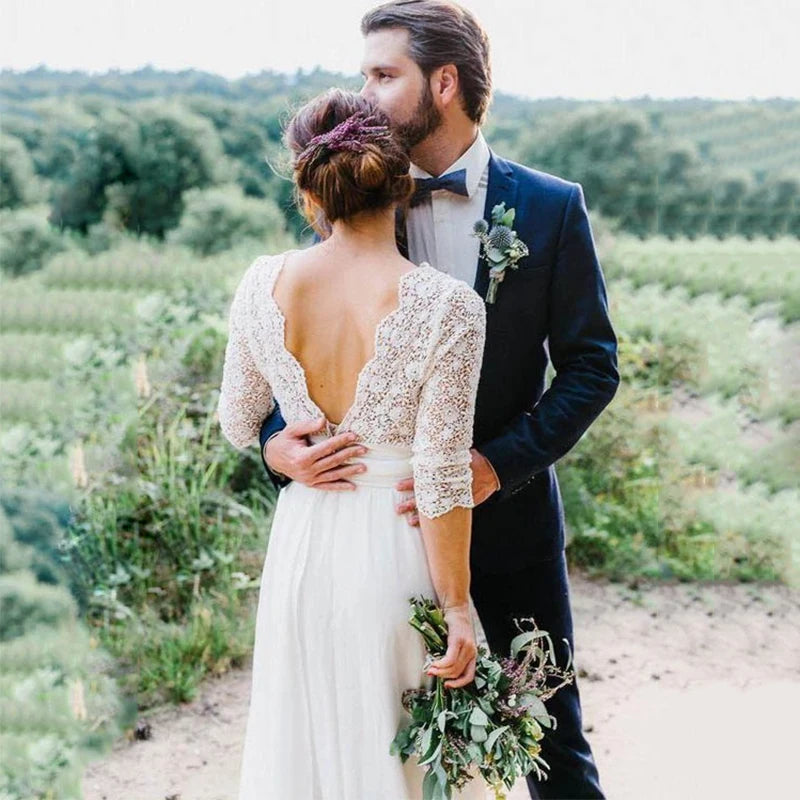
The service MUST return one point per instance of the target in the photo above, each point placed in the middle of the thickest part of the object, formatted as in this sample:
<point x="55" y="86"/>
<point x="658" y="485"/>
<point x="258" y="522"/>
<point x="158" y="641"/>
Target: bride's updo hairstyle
<point x="345" y="159"/>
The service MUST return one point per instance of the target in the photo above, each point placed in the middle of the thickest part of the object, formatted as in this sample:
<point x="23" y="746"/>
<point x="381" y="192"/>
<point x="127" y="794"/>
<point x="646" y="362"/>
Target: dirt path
<point x="686" y="693"/>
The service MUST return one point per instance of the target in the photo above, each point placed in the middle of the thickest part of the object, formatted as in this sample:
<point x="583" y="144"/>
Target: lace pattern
<point x="246" y="397"/>
<point x="418" y="390"/>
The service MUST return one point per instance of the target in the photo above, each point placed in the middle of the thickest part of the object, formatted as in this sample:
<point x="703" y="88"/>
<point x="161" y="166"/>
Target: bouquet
<point x="494" y="724"/>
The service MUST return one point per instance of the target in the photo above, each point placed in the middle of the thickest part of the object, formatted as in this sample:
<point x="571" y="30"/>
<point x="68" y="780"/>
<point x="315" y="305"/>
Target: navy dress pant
<point x="541" y="591"/>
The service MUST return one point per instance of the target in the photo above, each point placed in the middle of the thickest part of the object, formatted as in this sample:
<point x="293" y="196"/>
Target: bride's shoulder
<point x="452" y="295"/>
<point x="252" y="280"/>
<point x="265" y="262"/>
<point x="262" y="267"/>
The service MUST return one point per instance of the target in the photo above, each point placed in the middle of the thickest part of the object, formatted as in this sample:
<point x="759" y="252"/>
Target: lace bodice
<point x="417" y="390"/>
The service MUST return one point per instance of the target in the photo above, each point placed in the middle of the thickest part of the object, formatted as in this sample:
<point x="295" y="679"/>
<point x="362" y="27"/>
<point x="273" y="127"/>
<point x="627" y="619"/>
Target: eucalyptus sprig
<point x="493" y="725"/>
<point x="500" y="246"/>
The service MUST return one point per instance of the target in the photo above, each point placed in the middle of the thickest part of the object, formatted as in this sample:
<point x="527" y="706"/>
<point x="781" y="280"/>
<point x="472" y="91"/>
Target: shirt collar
<point x="474" y="160"/>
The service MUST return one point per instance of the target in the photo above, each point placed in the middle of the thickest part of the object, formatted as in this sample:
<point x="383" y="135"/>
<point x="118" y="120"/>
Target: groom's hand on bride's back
<point x="320" y="465"/>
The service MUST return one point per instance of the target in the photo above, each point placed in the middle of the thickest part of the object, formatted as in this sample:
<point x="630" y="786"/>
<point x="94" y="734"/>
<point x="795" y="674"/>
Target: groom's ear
<point x="446" y="86"/>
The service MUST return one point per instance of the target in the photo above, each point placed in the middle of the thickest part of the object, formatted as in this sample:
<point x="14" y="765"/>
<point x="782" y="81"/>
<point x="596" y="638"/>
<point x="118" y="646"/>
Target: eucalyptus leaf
<point x="434" y="755"/>
<point x="508" y="217"/>
<point x="523" y="639"/>
<point x="535" y="706"/>
<point x="497" y="212"/>
<point x="485" y="705"/>
<point x="475" y="752"/>
<point x="478" y="733"/>
<point x="441" y="720"/>
<point x="444" y="786"/>
<point x="552" y="651"/>
<point x="493" y="737"/>
<point x="478" y="717"/>
<point x="425" y="743"/>
<point x="430" y="786"/>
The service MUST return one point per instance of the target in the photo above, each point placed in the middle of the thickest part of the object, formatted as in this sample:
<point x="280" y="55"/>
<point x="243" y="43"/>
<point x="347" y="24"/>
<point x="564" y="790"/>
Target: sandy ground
<point x="687" y="692"/>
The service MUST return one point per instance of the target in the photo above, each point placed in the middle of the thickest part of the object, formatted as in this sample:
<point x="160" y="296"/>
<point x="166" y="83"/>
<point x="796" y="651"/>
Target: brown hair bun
<point x="363" y="169"/>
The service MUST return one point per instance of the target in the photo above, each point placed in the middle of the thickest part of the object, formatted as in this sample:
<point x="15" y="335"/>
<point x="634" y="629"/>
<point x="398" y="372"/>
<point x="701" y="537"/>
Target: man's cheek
<point x="396" y="111"/>
<point x="388" y="103"/>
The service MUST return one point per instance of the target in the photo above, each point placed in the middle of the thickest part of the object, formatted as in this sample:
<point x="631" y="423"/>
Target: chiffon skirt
<point x="333" y="648"/>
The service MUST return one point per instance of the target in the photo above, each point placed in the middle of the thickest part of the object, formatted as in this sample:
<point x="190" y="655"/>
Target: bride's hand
<point x="458" y="663"/>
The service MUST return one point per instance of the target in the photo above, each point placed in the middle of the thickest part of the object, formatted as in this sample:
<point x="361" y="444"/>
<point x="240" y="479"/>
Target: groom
<point x="426" y="64"/>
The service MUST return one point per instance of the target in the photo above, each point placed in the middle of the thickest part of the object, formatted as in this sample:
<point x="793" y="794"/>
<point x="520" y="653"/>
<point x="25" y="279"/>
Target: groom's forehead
<point x="385" y="49"/>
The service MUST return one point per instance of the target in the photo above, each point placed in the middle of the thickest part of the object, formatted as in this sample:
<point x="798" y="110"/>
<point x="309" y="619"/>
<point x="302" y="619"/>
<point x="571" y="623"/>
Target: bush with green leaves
<point x="657" y="182"/>
<point x="760" y="270"/>
<point x="59" y="701"/>
<point x="634" y="505"/>
<point x="214" y="219"/>
<point x="19" y="185"/>
<point x="171" y="551"/>
<point x="27" y="240"/>
<point x="136" y="163"/>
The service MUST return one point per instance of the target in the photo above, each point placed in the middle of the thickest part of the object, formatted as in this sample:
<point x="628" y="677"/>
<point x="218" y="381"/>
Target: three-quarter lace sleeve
<point x="245" y="397"/>
<point x="445" y="414"/>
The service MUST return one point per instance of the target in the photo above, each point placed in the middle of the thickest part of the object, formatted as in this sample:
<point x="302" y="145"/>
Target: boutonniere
<point x="500" y="246"/>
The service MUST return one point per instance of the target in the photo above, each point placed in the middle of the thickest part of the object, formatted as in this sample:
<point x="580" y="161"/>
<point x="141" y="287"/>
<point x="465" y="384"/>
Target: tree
<point x="135" y="167"/>
<point x="611" y="152"/>
<point x="217" y="218"/>
<point x="27" y="240"/>
<point x="18" y="182"/>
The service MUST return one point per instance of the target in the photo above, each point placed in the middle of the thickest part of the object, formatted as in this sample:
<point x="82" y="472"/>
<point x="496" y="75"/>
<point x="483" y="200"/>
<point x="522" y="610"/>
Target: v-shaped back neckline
<point x="334" y="427"/>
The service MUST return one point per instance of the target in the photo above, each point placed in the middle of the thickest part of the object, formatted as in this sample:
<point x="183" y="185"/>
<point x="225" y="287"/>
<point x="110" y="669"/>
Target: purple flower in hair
<point x="353" y="134"/>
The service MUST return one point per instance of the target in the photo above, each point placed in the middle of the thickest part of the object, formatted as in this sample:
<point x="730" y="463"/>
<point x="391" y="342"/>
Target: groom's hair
<point x="442" y="32"/>
<point x="366" y="172"/>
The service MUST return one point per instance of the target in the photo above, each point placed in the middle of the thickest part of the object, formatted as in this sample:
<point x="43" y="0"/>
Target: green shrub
<point x="183" y="535"/>
<point x="59" y="702"/>
<point x="634" y="507"/>
<point x="25" y="604"/>
<point x="19" y="185"/>
<point x="215" y="219"/>
<point x="27" y="240"/>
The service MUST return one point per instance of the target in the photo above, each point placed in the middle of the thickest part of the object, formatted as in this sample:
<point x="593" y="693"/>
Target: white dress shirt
<point x="439" y="228"/>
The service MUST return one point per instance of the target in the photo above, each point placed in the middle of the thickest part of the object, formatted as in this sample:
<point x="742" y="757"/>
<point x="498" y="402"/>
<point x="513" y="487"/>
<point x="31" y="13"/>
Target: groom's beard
<point x="425" y="119"/>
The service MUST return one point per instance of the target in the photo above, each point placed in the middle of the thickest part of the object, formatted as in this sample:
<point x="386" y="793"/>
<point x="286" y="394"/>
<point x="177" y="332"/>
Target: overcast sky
<point x="597" y="49"/>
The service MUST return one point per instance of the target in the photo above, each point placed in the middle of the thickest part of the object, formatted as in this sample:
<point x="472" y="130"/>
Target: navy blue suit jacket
<point x="555" y="305"/>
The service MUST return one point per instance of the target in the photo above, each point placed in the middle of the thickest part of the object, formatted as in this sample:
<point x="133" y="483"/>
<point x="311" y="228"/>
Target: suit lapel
<point x="502" y="187"/>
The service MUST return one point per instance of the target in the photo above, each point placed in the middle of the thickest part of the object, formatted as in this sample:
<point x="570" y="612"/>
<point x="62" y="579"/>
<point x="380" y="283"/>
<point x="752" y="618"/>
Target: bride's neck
<point x="372" y="232"/>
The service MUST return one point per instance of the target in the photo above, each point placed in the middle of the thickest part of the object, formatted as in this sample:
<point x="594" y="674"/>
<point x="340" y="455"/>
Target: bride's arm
<point x="442" y="470"/>
<point x="245" y="396"/>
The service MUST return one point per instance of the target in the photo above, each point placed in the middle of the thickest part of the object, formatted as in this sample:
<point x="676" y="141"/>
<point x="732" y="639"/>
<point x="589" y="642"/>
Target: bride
<point x="350" y="330"/>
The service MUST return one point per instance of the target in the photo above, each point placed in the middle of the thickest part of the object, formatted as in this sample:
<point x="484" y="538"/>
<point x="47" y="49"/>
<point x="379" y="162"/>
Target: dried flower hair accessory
<point x="352" y="135"/>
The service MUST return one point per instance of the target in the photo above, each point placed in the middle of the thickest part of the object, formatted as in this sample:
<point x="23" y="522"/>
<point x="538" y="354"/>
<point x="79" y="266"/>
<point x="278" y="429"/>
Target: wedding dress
<point x="333" y="648"/>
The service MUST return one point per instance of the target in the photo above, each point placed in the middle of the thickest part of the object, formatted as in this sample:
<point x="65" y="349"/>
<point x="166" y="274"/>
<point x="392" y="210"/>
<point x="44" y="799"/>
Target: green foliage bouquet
<point x="493" y="725"/>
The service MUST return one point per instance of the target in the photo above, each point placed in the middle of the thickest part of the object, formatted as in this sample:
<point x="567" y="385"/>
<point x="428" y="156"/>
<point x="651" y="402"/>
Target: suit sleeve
<point x="273" y="424"/>
<point x="583" y="350"/>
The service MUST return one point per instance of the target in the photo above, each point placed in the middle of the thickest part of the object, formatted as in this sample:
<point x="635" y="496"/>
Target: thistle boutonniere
<point x="500" y="246"/>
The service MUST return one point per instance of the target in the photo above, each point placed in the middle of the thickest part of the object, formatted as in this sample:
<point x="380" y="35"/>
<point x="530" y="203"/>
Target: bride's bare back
<point x="333" y="304"/>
